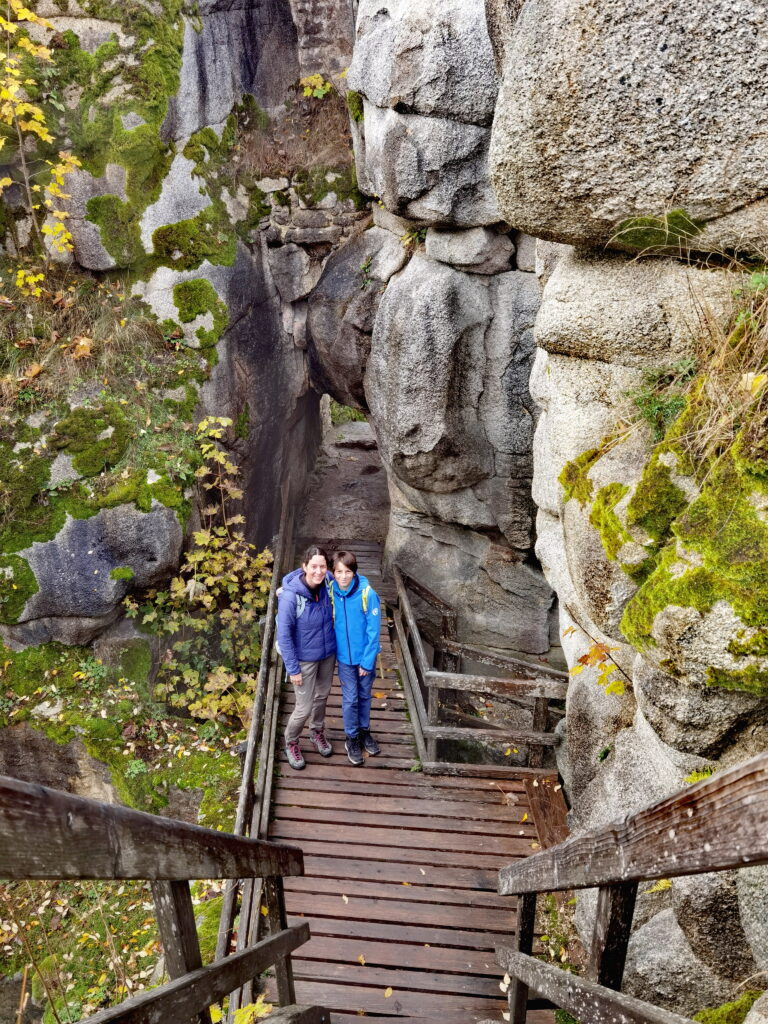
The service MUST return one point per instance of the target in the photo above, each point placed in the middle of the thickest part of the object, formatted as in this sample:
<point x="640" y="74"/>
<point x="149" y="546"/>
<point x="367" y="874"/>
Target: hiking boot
<point x="323" y="747"/>
<point x="369" y="743"/>
<point x="295" y="757"/>
<point x="354" y="750"/>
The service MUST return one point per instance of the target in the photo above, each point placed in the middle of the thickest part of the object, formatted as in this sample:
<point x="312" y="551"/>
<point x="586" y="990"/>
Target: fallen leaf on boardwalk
<point x="558" y="786"/>
<point x="345" y="898"/>
<point x="264" y="910"/>
<point x="504" y="983"/>
<point x="422" y="871"/>
<point x="535" y="782"/>
<point x="81" y="346"/>
<point x="387" y="991"/>
<point x="505" y="1014"/>
<point x="508" y="751"/>
<point x="379" y="696"/>
<point x="361" y="960"/>
<point x="535" y="846"/>
<point x="405" y="883"/>
<point x="524" y="817"/>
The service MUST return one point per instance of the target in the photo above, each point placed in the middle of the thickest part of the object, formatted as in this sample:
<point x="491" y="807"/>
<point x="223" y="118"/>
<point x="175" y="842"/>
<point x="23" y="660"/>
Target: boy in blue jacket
<point x="357" y="621"/>
<point x="307" y="644"/>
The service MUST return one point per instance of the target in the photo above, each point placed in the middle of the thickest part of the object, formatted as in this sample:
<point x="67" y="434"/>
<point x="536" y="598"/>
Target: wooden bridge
<point x="384" y="891"/>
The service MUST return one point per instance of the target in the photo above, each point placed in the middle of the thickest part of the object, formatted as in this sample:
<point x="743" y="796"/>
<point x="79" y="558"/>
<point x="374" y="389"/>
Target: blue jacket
<point x="357" y="631"/>
<point x="304" y="623"/>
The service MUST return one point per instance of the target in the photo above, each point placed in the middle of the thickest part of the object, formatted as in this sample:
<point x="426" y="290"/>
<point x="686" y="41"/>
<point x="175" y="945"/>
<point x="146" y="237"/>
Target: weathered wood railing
<point x="534" y="683"/>
<point x="716" y="825"/>
<point x="47" y="834"/>
<point x="252" y="818"/>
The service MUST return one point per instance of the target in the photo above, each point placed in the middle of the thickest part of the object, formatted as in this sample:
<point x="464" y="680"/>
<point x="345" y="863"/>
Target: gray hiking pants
<point x="311" y="696"/>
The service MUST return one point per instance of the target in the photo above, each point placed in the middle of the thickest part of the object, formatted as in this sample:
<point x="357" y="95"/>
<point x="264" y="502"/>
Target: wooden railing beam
<point x="185" y="997"/>
<point x="554" y="689"/>
<point x="517" y="994"/>
<point x="69" y="837"/>
<point x="714" y="825"/>
<point x="582" y="998"/>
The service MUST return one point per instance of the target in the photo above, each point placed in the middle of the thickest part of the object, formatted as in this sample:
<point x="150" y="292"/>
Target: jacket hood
<point x="359" y="582"/>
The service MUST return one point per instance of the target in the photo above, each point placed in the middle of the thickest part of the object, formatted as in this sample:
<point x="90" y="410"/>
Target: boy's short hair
<point x="345" y="558"/>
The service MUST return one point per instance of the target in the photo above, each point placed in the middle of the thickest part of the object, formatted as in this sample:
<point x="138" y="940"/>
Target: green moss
<point x="17" y="585"/>
<point x="25" y="671"/>
<point x="602" y="516"/>
<point x="727" y="542"/>
<point x="78" y="434"/>
<point x="656" y="501"/>
<point x="122" y="572"/>
<point x="345" y="414"/>
<point x="207" y="919"/>
<point x="355" y="105"/>
<point x="563" y="1017"/>
<point x="574" y="479"/>
<point x="118" y="225"/>
<point x="312" y="185"/>
<point x="751" y="679"/>
<point x="674" y="231"/>
<point x="136" y="490"/>
<point x="196" y="298"/>
<point x="208" y="236"/>
<point x="729" y="1013"/>
<point x="242" y="422"/>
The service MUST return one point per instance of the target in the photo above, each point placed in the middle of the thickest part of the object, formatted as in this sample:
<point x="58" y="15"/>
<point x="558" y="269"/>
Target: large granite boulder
<point x="77" y="593"/>
<point x="610" y="111"/>
<point x="501" y="601"/>
<point x="428" y="87"/>
<point x="342" y="309"/>
<point x="425" y="58"/>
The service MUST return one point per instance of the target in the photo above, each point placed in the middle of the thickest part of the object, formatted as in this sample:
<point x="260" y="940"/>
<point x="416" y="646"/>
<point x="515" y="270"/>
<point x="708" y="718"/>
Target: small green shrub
<point x="344" y="414"/>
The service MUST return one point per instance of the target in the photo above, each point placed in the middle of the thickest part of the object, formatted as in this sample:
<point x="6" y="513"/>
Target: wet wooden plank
<point x="397" y="889"/>
<point x="462" y="811"/>
<point x="473" y="832"/>
<point x="427" y="936"/>
<point x="548" y="810"/>
<point x="492" y="795"/>
<point x="430" y="957"/>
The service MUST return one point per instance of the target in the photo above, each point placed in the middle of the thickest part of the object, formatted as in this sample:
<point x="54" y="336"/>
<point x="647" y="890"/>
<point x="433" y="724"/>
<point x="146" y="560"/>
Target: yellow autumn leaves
<point x="28" y="123"/>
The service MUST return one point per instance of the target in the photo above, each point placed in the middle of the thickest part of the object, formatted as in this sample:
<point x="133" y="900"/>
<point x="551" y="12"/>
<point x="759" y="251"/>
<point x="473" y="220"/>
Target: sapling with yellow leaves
<point x="27" y="123"/>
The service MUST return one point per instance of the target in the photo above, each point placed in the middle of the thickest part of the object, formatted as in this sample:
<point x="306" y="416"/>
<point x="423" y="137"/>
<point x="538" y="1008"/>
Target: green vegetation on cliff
<point x="696" y="520"/>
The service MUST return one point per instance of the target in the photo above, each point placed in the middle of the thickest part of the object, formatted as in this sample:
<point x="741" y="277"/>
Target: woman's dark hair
<point x="313" y="550"/>
<point x="345" y="558"/>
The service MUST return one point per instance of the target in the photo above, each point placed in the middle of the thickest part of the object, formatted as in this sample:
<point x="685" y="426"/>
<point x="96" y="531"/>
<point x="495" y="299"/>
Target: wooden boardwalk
<point x="400" y="869"/>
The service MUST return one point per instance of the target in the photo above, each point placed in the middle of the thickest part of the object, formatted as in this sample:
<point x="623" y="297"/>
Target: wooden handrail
<point x="540" y="686"/>
<point x="184" y="997"/>
<point x="534" y="669"/>
<point x="45" y="833"/>
<point x="555" y="689"/>
<point x="586" y="1000"/>
<point x="717" y="824"/>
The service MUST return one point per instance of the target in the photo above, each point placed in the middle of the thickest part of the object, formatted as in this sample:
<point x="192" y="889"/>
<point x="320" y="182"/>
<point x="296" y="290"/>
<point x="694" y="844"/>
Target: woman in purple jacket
<point x="307" y="643"/>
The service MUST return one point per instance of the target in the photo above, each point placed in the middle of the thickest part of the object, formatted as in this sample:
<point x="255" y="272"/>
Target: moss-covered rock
<point x="95" y="438"/>
<point x="17" y="585"/>
<point x="729" y="1013"/>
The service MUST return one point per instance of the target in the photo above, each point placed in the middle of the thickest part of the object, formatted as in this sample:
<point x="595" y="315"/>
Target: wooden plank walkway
<point x="400" y="869"/>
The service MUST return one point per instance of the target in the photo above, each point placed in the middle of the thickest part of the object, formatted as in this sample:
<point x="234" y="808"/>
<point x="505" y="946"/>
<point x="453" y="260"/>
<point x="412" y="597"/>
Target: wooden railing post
<point x="539" y="724"/>
<point x="178" y="931"/>
<point x="517" y="994"/>
<point x="613" y="923"/>
<point x="274" y="897"/>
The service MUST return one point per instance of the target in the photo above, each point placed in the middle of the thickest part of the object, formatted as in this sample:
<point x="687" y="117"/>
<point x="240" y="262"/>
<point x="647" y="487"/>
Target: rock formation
<point x="652" y="534"/>
<point x="425" y="320"/>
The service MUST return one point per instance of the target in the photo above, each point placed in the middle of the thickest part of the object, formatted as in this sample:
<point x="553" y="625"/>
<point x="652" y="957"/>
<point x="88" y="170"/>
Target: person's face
<point x="343" y="575"/>
<point x="315" y="570"/>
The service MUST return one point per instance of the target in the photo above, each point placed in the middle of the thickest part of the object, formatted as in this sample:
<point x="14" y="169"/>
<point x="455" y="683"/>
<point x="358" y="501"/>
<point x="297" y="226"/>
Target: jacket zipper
<point x="346" y="627"/>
